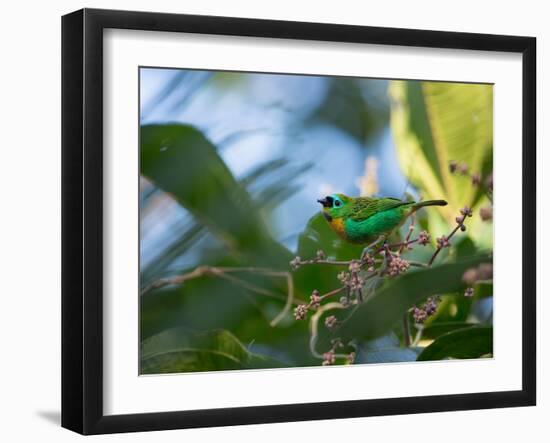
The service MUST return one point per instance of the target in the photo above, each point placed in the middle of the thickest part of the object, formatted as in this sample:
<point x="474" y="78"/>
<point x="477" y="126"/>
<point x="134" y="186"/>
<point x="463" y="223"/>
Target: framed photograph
<point x="268" y="221"/>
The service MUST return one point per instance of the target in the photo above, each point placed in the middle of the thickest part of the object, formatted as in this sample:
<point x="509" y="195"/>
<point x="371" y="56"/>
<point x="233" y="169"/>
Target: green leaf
<point x="182" y="162"/>
<point x="382" y="310"/>
<point x="318" y="236"/>
<point x="463" y="344"/>
<point x="436" y="122"/>
<point x="483" y="289"/>
<point x="436" y="329"/>
<point x="178" y="350"/>
<point x="465" y="247"/>
<point x="211" y="302"/>
<point x="453" y="308"/>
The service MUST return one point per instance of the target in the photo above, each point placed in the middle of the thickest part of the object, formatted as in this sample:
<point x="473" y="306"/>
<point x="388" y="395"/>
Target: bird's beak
<point x="325" y="202"/>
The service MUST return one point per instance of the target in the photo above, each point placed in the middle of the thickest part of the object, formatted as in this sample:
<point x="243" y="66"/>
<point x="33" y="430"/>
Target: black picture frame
<point x="82" y="219"/>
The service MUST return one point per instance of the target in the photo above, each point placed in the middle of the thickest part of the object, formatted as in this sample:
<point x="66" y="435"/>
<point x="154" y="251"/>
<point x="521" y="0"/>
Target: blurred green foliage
<point x="214" y="323"/>
<point x="434" y="123"/>
<point x="182" y="162"/>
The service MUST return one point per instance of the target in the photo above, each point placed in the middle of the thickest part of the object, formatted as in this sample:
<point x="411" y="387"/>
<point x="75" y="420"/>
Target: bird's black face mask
<point x="327" y="202"/>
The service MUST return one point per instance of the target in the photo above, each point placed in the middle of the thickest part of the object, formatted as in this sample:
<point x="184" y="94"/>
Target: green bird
<point x="368" y="220"/>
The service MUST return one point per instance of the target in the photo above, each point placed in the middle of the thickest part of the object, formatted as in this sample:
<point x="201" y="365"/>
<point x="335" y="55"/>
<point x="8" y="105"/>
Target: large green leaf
<point x="465" y="343"/>
<point x="182" y="162"/>
<point x="178" y="350"/>
<point x="382" y="310"/>
<point x="436" y="122"/>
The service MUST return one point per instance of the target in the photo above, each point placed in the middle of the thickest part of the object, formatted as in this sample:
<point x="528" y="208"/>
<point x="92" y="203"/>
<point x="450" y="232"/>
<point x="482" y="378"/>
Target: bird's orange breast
<point x="337" y="224"/>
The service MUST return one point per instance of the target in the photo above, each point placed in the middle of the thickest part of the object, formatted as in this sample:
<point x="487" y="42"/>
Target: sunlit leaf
<point x="465" y="343"/>
<point x="436" y="122"/>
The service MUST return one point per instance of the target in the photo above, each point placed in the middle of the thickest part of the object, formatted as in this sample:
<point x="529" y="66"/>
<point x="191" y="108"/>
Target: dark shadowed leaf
<point x="346" y="108"/>
<point x="465" y="343"/>
<point x="465" y="247"/>
<point x="209" y="303"/>
<point x="178" y="350"/>
<point x="434" y="330"/>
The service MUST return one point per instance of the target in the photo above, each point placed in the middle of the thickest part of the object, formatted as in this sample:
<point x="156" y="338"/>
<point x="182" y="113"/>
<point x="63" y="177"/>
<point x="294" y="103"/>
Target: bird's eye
<point x="337" y="203"/>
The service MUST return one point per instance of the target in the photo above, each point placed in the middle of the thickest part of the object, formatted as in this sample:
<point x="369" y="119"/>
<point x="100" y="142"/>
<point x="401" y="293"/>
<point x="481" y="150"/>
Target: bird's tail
<point x="430" y="203"/>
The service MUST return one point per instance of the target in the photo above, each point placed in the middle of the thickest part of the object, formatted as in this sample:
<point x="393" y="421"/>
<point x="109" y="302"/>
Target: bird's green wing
<point x="364" y="207"/>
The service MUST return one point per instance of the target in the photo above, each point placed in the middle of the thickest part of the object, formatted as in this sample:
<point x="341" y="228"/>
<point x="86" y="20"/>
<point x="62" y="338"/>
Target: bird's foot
<point x="366" y="253"/>
<point x="370" y="249"/>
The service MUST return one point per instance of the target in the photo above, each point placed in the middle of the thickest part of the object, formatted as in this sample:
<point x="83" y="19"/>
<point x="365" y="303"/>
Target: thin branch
<point x="418" y="264"/>
<point x="201" y="271"/>
<point x="247" y="285"/>
<point x="314" y="327"/>
<point x="439" y="248"/>
<point x="418" y="337"/>
<point x="411" y="229"/>
<point x="397" y="245"/>
<point x="331" y="293"/>
<point x="477" y="181"/>
<point x="289" y="299"/>
<point x="315" y="261"/>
